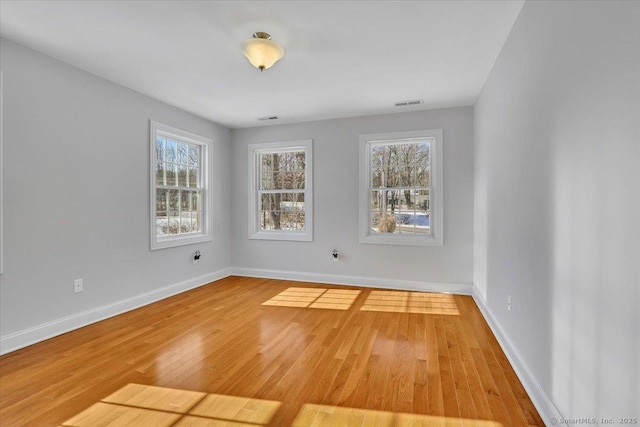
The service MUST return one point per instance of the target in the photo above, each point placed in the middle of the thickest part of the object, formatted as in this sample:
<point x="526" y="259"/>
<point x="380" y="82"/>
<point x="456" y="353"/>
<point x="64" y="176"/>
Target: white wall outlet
<point x="509" y="303"/>
<point x="78" y="286"/>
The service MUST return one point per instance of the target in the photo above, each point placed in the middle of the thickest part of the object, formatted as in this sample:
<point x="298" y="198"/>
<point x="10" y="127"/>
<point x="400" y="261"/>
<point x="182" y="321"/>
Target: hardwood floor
<point x="312" y="355"/>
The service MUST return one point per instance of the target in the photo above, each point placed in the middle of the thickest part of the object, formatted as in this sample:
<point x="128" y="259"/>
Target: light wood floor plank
<point x="352" y="356"/>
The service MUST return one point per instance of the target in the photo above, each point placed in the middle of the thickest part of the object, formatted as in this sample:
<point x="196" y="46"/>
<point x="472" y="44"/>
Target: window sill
<point x="282" y="235"/>
<point x="398" y="239"/>
<point x="170" y="242"/>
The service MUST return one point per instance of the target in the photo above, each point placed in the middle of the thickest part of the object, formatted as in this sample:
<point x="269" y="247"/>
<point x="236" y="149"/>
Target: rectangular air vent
<point x="407" y="103"/>
<point x="268" y="118"/>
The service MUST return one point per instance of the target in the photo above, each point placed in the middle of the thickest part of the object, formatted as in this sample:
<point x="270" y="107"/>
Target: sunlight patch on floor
<point x="332" y="299"/>
<point x="143" y="405"/>
<point x="323" y="415"/>
<point x="411" y="302"/>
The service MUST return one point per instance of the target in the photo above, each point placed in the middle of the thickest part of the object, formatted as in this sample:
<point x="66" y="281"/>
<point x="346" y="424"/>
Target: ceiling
<point x="343" y="58"/>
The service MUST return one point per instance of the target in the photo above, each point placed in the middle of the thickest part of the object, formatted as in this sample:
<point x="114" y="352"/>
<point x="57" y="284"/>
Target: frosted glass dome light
<point x="261" y="51"/>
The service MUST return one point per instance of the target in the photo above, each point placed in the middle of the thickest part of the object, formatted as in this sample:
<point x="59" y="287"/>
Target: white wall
<point x="76" y="195"/>
<point x="557" y="200"/>
<point x="336" y="206"/>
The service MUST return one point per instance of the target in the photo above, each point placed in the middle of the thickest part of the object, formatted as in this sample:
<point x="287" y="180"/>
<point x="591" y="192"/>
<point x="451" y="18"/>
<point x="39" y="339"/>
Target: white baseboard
<point x="369" y="282"/>
<point x="24" y="338"/>
<point x="543" y="403"/>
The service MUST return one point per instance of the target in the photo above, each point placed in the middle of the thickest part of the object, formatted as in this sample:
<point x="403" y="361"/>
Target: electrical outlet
<point x="78" y="286"/>
<point x="509" y="303"/>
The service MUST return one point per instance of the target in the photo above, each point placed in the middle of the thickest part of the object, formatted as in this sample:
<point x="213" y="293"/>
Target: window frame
<point x="436" y="220"/>
<point x="255" y="150"/>
<point x="205" y="234"/>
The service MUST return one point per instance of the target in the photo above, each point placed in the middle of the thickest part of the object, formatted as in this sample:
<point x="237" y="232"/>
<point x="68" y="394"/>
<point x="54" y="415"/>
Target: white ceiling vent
<point x="408" y="103"/>
<point x="268" y="118"/>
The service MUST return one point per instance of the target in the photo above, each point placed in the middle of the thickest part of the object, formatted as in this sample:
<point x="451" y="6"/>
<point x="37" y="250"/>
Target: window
<point x="280" y="191"/>
<point x="401" y="188"/>
<point x="180" y="208"/>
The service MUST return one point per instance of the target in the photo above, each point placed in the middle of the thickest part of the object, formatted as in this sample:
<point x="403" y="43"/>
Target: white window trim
<point x="435" y="238"/>
<point x="254" y="227"/>
<point x="206" y="235"/>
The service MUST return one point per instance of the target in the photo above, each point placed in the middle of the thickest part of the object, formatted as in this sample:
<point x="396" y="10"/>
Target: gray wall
<point x="557" y="201"/>
<point x="335" y="178"/>
<point x="76" y="192"/>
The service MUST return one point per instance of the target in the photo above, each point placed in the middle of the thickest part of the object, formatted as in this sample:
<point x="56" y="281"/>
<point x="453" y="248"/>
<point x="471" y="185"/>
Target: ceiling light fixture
<point x="261" y="51"/>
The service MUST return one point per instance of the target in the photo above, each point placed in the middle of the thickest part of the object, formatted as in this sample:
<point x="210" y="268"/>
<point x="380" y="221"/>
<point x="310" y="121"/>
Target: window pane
<point x="185" y="222"/>
<point x="376" y="177"/>
<point x="276" y="207"/>
<point x="404" y="174"/>
<point x="377" y="200"/>
<point x="286" y="220"/>
<point x="377" y="162"/>
<point x="265" y="163"/>
<point x="161" y="225"/>
<point x="269" y="173"/>
<point x="399" y="165"/>
<point x="383" y="222"/>
<point x="194" y="156"/>
<point x="407" y="200"/>
<point x="299" y="221"/>
<point x="266" y="180"/>
<point x="171" y="153"/>
<point x="300" y="180"/>
<point x="392" y="200"/>
<point x="160" y="180"/>
<point x="174" y="200"/>
<point x="171" y="173"/>
<point x="416" y="220"/>
<point x="173" y="226"/>
<point x="265" y="202"/>
<point x="195" y="200"/>
<point x="423" y="176"/>
<point x="288" y="180"/>
<point x="269" y="179"/>
<point x="182" y="175"/>
<point x="195" y="221"/>
<point x="193" y="177"/>
<point x="423" y="153"/>
<point x="183" y="151"/>
<point x="300" y="161"/>
<point x="161" y="199"/>
<point x="422" y="201"/>
<point x="265" y="221"/>
<point x="298" y="203"/>
<point x="185" y="200"/>
<point x="282" y="170"/>
<point x="160" y="148"/>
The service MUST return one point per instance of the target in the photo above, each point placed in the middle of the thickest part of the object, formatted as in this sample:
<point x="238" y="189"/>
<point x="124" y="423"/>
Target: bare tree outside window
<point x="180" y="201"/>
<point x="281" y="190"/>
<point x="282" y="183"/>
<point x="400" y="186"/>
<point x="178" y="187"/>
